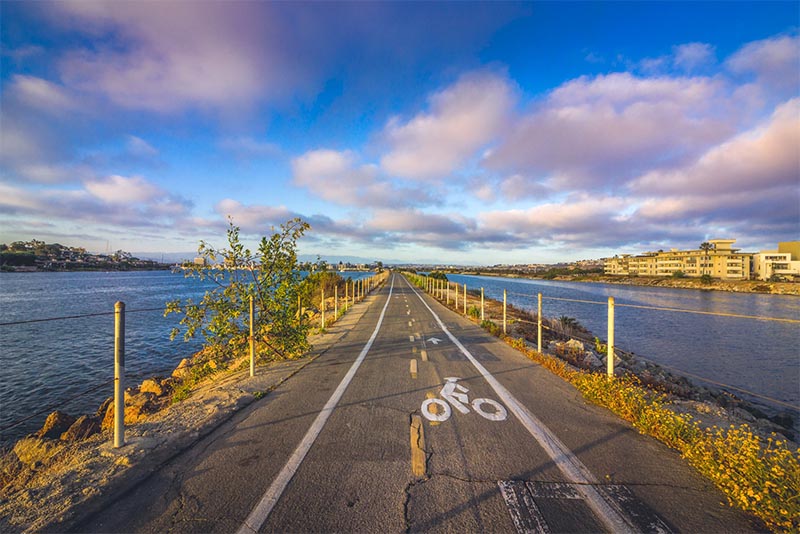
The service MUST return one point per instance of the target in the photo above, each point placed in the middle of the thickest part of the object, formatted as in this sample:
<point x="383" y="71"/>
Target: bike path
<point x="648" y="482"/>
<point x="478" y="475"/>
<point x="213" y="486"/>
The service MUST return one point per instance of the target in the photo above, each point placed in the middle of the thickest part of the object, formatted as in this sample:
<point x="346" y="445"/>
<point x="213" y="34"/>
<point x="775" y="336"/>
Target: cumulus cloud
<point x="693" y="56"/>
<point x="775" y="62"/>
<point x="177" y="55"/>
<point x="99" y="202"/>
<point x="41" y="94"/>
<point x="598" y="132"/>
<point x="337" y="176"/>
<point x="461" y="120"/>
<point x="764" y="157"/>
<point x="122" y="190"/>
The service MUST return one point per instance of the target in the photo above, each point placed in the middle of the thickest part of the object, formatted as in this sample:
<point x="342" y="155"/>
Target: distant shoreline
<point x="163" y="267"/>
<point x="731" y="286"/>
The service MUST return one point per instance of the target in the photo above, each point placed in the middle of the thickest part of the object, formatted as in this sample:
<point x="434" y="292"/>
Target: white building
<point x="784" y="262"/>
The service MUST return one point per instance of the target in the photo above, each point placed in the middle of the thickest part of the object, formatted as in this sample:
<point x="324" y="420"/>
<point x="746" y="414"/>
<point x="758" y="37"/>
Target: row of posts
<point x="441" y="289"/>
<point x="360" y="288"/>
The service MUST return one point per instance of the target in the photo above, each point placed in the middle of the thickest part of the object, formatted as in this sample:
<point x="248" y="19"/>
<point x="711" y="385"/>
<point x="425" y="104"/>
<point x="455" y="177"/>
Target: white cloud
<point x="253" y="218"/>
<point x="339" y="177"/>
<point x="41" y="94"/>
<point x="174" y="55"/>
<point x="599" y="132"/>
<point x="140" y="148"/>
<point x="461" y="120"/>
<point x="122" y="190"/>
<point x="775" y="63"/>
<point x="764" y="157"/>
<point x="693" y="56"/>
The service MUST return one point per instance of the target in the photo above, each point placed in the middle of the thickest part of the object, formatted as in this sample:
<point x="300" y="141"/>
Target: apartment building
<point x="720" y="261"/>
<point x="784" y="262"/>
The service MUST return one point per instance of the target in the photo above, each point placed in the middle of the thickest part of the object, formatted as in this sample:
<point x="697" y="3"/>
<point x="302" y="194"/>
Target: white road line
<point x="262" y="510"/>
<point x="569" y="464"/>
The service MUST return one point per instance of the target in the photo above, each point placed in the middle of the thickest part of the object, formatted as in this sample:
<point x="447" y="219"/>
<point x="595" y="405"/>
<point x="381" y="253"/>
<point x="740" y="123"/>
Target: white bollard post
<point x="482" y="314"/>
<point x="252" y="341"/>
<point x="335" y="302"/>
<point x="610" y="366"/>
<point x="504" y="311"/>
<point x="322" y="325"/>
<point x="465" y="299"/>
<point x="539" y="325"/>
<point x="119" y="374"/>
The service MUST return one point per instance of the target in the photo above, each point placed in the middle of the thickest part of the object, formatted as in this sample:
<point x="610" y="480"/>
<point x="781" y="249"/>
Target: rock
<point x="36" y="451"/>
<point x="167" y="385"/>
<point x="591" y="360"/>
<point x="151" y="385"/>
<point x="137" y="407"/>
<point x="101" y="411"/>
<point x="182" y="371"/>
<point x="82" y="428"/>
<point x="55" y="424"/>
<point x="574" y="344"/>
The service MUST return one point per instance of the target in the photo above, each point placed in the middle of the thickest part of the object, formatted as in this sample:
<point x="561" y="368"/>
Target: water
<point x="44" y="364"/>
<point x="758" y="356"/>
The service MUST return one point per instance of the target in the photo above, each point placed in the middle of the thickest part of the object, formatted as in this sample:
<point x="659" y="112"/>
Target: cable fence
<point x="55" y="383"/>
<point x="474" y="302"/>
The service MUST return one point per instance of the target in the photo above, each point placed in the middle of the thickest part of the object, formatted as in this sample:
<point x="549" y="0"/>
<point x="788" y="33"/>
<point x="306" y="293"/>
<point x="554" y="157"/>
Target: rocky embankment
<point x="708" y="405"/>
<point x="735" y="286"/>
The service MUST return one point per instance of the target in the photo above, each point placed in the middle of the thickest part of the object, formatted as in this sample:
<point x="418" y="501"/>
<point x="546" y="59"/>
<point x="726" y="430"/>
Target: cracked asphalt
<point x="357" y="476"/>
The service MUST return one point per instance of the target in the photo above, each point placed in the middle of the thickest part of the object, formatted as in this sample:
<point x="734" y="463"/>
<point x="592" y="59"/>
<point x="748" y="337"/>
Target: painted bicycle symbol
<point x="456" y="394"/>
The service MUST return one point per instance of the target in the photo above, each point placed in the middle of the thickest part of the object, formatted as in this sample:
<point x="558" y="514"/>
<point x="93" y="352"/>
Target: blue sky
<point x="436" y="132"/>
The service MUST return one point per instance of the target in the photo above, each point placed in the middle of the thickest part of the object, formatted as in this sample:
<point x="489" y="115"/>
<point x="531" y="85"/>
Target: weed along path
<point x="418" y="420"/>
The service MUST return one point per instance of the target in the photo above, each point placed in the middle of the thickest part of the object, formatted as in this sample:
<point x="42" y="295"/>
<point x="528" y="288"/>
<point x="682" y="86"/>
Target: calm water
<point x="759" y="356"/>
<point x="44" y="364"/>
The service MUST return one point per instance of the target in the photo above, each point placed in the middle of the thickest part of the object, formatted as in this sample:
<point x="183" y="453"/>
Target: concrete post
<point x="252" y="340"/>
<point x="336" y="301"/>
<point x="504" y="311"/>
<point x="465" y="299"/>
<point x="482" y="310"/>
<point x="322" y="326"/>
<point x="539" y="325"/>
<point x="456" y="297"/>
<point x="610" y="366"/>
<point x="447" y="296"/>
<point x="119" y="374"/>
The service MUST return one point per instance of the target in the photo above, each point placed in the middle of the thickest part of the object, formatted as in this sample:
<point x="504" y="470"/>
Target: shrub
<point x="270" y="276"/>
<point x="492" y="328"/>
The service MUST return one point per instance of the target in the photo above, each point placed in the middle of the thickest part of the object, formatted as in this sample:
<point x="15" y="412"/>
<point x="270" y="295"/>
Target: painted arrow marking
<point x="435" y="340"/>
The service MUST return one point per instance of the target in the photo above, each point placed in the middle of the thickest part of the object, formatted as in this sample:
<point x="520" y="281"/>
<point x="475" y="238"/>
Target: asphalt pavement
<point x="419" y="421"/>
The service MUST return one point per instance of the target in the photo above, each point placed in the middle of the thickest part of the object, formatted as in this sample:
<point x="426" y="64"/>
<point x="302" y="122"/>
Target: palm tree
<point x="705" y="246"/>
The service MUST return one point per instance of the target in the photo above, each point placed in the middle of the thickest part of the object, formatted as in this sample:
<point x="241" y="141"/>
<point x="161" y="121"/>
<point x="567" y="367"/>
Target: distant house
<point x="199" y="261"/>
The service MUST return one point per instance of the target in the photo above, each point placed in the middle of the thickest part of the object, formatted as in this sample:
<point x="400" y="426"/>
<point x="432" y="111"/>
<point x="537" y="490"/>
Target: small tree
<point x="270" y="275"/>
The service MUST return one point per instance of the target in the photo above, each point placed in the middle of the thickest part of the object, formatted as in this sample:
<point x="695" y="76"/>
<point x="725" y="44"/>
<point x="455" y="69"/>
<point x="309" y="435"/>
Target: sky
<point x="456" y="133"/>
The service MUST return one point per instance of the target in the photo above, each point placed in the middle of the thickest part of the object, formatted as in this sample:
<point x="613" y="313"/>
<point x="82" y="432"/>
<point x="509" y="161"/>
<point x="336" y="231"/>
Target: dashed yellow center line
<point x="413" y="368"/>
